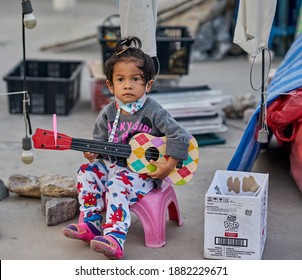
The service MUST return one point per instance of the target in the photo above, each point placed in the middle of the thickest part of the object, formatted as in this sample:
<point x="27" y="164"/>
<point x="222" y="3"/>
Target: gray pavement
<point x="23" y="230"/>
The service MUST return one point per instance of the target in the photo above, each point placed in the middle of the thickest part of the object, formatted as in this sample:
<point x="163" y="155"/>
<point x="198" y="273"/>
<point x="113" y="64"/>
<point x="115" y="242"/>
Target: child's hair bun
<point x="126" y="43"/>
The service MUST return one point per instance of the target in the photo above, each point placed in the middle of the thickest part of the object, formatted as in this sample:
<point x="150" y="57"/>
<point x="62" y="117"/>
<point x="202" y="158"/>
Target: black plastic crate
<point x="173" y="47"/>
<point x="53" y="86"/>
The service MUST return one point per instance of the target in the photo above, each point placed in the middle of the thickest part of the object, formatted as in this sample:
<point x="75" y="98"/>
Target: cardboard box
<point x="236" y="215"/>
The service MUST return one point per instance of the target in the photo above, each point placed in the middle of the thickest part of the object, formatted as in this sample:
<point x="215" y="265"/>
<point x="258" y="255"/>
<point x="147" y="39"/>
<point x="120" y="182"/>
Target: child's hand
<point x="90" y="156"/>
<point x="163" y="169"/>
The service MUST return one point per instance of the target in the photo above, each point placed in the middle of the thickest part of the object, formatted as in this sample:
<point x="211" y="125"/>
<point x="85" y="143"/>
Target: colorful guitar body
<point x="138" y="162"/>
<point x="141" y="148"/>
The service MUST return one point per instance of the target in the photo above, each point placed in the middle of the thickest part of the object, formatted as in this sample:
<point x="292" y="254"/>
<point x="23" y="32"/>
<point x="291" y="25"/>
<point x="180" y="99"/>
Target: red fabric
<point x="296" y="158"/>
<point x="284" y="116"/>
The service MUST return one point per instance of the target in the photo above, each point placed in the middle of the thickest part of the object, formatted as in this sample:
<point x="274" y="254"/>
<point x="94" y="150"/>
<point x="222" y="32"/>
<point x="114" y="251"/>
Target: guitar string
<point x="120" y="153"/>
<point x="110" y="147"/>
<point x="84" y="141"/>
<point x="123" y="151"/>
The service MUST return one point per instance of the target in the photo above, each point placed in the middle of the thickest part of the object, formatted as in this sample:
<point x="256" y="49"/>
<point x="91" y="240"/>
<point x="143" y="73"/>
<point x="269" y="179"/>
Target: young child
<point x="130" y="73"/>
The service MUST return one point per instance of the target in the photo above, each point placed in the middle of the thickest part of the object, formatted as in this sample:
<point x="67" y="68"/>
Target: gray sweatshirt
<point x="152" y="119"/>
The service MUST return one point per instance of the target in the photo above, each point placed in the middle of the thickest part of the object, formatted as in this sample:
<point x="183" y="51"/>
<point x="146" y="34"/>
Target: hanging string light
<point x="28" y="21"/>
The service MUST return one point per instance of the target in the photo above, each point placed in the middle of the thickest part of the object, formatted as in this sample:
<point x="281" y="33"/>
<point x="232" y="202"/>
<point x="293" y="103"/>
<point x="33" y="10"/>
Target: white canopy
<point x="139" y="18"/>
<point x="254" y="23"/>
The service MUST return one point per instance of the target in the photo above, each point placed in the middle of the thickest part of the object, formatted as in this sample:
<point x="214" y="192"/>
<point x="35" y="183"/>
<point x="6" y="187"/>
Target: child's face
<point x="128" y="84"/>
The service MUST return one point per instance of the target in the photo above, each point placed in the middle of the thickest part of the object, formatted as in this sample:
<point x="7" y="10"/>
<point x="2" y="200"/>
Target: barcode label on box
<point x="240" y="242"/>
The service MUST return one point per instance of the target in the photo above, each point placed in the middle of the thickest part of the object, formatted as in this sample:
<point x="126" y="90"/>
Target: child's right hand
<point x="90" y="156"/>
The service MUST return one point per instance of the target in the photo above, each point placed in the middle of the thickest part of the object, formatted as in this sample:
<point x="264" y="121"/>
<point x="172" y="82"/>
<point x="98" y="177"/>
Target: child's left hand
<point x="163" y="169"/>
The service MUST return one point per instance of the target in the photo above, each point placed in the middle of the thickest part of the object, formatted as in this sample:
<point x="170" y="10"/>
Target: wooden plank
<point x="194" y="14"/>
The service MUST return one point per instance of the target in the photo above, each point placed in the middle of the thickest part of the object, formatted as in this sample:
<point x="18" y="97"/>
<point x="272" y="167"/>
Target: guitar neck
<point x="101" y="147"/>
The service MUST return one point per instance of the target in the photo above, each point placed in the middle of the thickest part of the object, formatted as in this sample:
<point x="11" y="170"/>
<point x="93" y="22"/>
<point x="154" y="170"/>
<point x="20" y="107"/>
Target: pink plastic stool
<point x="151" y="210"/>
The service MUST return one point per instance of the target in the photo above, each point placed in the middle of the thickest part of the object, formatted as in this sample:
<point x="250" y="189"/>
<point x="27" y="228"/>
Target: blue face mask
<point x="132" y="107"/>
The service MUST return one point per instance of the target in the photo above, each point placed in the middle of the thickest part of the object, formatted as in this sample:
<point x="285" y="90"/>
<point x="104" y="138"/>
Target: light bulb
<point x="27" y="156"/>
<point x="29" y="21"/>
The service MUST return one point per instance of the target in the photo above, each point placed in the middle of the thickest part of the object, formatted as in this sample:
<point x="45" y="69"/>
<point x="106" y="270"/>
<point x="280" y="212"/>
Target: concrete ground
<point x="23" y="230"/>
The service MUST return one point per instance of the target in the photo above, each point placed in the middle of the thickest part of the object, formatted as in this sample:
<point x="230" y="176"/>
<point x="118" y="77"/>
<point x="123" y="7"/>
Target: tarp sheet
<point x="287" y="78"/>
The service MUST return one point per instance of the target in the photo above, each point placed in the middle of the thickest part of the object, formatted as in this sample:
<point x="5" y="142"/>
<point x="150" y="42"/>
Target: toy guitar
<point x="141" y="149"/>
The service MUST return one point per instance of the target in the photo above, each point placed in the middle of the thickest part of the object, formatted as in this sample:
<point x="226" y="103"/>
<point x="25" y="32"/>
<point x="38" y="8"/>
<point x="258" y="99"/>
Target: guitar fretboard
<point x="101" y="147"/>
